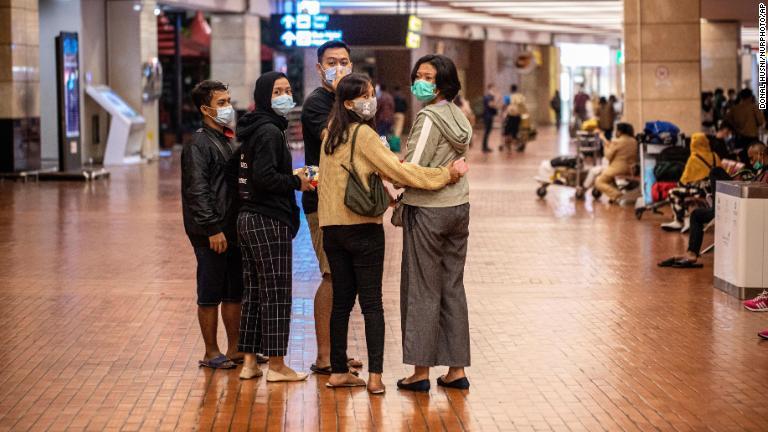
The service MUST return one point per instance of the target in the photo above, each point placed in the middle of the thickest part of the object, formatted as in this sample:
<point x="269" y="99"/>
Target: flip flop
<point x="345" y="385"/>
<point x="380" y="391"/>
<point x="327" y="370"/>
<point x="219" y="362"/>
<point x="669" y="262"/>
<point x="320" y="371"/>
<point x="685" y="264"/>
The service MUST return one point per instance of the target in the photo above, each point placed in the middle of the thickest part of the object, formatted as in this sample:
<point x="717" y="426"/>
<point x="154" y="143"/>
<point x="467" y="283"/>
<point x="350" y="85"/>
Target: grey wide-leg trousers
<point x="433" y="305"/>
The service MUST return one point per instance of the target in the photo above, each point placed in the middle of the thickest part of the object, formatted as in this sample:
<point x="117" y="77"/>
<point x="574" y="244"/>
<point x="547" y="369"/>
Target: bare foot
<point x="282" y="369"/>
<point x="236" y="356"/>
<point x="414" y="378"/>
<point x="345" y="380"/>
<point x="375" y="386"/>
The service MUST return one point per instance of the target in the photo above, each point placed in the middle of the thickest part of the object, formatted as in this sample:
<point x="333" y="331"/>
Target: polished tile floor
<point x="573" y="326"/>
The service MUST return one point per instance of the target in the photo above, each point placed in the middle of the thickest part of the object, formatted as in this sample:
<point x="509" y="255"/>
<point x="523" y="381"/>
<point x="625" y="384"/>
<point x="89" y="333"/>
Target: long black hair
<point x="350" y="87"/>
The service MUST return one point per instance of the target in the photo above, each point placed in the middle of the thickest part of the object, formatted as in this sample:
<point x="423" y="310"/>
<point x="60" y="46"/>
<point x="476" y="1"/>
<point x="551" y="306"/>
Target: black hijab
<point x="263" y="113"/>
<point x="262" y="95"/>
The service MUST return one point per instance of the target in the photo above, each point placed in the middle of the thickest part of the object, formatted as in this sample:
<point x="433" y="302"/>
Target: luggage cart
<point x="649" y="154"/>
<point x="588" y="145"/>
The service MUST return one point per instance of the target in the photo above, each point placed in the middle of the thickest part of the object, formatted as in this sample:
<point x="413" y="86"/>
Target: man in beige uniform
<point x="621" y="154"/>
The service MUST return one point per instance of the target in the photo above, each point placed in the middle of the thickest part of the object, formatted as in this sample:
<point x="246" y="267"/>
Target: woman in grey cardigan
<point x="433" y="306"/>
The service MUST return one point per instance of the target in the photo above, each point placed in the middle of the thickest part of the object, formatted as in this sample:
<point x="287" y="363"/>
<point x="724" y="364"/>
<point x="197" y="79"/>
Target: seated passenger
<point x="702" y="216"/>
<point x="621" y="153"/>
<point x="694" y="181"/>
<point x="718" y="144"/>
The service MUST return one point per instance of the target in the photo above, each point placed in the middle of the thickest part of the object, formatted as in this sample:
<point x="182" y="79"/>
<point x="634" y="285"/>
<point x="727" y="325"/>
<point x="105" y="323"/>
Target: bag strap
<point x="426" y="128"/>
<point x="352" y="150"/>
<point x="217" y="144"/>
<point x="705" y="161"/>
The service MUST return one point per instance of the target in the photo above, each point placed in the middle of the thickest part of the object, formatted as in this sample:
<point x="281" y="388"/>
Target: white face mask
<point x="225" y="116"/>
<point x="365" y="108"/>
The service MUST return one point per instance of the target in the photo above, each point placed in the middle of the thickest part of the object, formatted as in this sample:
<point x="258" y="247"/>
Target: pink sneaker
<point x="763" y="334"/>
<point x="759" y="303"/>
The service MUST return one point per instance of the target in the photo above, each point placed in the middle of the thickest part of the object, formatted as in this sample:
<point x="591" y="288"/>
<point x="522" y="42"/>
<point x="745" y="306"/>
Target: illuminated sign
<point x="307" y="28"/>
<point x="71" y="79"/>
<point x="413" y="37"/>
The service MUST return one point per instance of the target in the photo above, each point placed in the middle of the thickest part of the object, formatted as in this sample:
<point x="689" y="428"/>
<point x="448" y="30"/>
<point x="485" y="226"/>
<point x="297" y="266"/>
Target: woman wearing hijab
<point x="268" y="221"/>
<point x="694" y="181"/>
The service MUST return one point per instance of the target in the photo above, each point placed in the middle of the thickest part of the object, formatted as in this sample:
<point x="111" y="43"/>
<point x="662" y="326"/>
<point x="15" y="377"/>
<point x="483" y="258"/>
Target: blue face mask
<point x="224" y="116"/>
<point x="330" y="73"/>
<point x="757" y="165"/>
<point x="423" y="90"/>
<point x="283" y="104"/>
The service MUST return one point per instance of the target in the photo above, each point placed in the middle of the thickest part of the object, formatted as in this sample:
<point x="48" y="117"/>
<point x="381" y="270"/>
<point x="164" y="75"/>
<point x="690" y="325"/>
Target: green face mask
<point x="424" y="91"/>
<point x="757" y="165"/>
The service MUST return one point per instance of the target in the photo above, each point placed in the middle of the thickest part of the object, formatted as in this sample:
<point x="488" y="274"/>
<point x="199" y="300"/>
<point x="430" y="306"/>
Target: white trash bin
<point x="741" y="238"/>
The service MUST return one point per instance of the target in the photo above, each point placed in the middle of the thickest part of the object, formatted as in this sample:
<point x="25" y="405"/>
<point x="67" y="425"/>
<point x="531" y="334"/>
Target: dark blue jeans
<point x="356" y="256"/>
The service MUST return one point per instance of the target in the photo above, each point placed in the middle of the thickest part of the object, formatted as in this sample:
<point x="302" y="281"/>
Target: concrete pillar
<point x="663" y="62"/>
<point x="132" y="41"/>
<point x="19" y="86"/>
<point x="720" y="43"/>
<point x="540" y="88"/>
<point x="311" y="79"/>
<point x="236" y="54"/>
<point x="93" y="68"/>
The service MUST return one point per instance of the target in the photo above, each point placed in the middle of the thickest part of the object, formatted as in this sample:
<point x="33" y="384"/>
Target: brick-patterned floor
<point x="573" y="326"/>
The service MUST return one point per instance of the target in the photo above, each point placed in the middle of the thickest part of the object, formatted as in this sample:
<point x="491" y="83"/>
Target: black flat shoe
<point x="417" y="386"/>
<point x="669" y="262"/>
<point x="461" y="383"/>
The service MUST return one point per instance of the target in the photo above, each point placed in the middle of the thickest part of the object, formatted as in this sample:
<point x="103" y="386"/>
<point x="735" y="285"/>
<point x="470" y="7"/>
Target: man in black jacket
<point x="209" y="202"/>
<point x="333" y="63"/>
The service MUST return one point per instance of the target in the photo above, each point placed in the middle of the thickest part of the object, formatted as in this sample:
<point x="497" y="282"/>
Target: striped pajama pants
<point x="678" y="195"/>
<point x="265" y="319"/>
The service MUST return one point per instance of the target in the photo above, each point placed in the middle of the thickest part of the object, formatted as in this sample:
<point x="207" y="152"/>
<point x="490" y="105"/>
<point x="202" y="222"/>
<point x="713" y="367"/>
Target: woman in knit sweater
<point x="353" y="243"/>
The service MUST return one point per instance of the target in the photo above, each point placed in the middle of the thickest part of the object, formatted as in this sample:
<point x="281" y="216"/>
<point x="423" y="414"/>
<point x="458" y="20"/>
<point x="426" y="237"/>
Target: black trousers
<point x="356" y="256"/>
<point x="488" y="121"/>
<point x="699" y="218"/>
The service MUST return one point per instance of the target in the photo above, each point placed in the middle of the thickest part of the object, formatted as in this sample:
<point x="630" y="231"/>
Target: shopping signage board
<point x="306" y="30"/>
